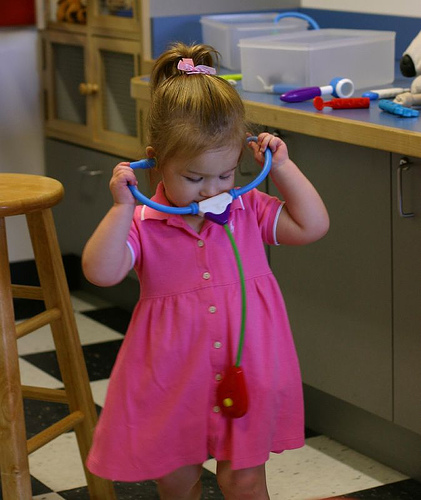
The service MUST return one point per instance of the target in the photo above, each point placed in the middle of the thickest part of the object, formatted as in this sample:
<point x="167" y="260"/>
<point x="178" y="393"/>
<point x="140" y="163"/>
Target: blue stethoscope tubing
<point x="193" y="208"/>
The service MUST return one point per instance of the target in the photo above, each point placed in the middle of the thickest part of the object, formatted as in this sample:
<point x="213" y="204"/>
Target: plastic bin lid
<point x="250" y="21"/>
<point x="317" y="39"/>
<point x="239" y="18"/>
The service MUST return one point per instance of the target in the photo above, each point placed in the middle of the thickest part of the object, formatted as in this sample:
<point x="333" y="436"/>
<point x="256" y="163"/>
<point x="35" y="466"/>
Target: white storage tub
<point x="223" y="32"/>
<point x="313" y="58"/>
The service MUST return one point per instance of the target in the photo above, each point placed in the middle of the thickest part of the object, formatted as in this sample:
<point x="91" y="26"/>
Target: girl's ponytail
<point x="166" y="64"/>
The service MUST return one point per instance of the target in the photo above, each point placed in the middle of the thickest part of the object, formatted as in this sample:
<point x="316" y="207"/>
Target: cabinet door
<point x="115" y="121"/>
<point x="407" y="291"/>
<point x="338" y="290"/>
<point x="65" y="64"/>
<point x="85" y="175"/>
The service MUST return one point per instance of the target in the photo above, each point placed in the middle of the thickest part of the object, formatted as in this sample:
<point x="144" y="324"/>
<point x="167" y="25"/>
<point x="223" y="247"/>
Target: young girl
<point x="161" y="419"/>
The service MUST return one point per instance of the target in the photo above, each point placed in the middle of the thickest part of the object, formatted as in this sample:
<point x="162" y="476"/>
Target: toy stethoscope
<point x="231" y="393"/>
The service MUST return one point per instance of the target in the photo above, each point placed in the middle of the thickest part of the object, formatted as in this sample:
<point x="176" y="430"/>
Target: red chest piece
<point x="232" y="393"/>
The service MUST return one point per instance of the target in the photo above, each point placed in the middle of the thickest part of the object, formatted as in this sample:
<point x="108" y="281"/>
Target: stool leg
<point x="68" y="348"/>
<point x="15" y="478"/>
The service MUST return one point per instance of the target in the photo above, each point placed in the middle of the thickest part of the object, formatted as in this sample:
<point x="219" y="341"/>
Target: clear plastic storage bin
<point x="313" y="58"/>
<point x="223" y="32"/>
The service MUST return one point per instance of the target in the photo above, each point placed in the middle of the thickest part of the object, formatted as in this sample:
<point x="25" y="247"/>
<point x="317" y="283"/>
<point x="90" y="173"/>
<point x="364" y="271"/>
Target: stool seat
<point x="24" y="193"/>
<point x="34" y="196"/>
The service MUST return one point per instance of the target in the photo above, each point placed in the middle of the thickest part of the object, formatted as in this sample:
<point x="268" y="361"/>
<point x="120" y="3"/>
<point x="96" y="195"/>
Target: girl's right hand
<point x="122" y="176"/>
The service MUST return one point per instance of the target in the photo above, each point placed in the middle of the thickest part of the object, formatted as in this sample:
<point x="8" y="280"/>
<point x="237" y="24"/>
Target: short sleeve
<point x="133" y="239"/>
<point x="267" y="210"/>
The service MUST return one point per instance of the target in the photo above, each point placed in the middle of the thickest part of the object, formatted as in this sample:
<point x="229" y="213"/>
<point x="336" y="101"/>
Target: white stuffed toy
<point x="410" y="65"/>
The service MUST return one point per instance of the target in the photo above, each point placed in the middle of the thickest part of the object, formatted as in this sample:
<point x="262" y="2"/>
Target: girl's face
<point x="207" y="175"/>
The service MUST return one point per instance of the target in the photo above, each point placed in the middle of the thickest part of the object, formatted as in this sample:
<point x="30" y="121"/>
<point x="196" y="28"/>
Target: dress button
<point x="212" y="309"/>
<point x="217" y="345"/>
<point x="200" y="243"/>
<point x="218" y="377"/>
<point x="216" y="409"/>
<point x="206" y="275"/>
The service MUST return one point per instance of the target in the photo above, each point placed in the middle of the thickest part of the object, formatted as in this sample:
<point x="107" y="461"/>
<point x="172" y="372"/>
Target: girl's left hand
<point x="275" y="144"/>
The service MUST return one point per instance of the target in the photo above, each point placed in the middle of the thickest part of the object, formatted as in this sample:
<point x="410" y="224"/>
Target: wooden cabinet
<point x="338" y="290"/>
<point x="406" y="178"/>
<point x="87" y="70"/>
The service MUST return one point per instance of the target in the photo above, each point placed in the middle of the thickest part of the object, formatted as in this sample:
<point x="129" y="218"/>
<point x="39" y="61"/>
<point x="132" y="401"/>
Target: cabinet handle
<point x="84" y="170"/>
<point x="88" y="88"/>
<point x="403" y="167"/>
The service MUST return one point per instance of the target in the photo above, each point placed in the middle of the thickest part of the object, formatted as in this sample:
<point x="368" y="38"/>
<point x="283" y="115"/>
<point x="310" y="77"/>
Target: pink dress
<point x="161" y="412"/>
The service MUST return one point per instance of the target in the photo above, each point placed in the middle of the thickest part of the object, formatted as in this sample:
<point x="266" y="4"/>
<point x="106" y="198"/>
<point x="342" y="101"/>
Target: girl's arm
<point x="106" y="259"/>
<point x="304" y="217"/>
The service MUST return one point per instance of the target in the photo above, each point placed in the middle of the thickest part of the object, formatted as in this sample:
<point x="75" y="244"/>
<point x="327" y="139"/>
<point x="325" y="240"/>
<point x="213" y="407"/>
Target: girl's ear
<point x="153" y="173"/>
<point x="150" y="152"/>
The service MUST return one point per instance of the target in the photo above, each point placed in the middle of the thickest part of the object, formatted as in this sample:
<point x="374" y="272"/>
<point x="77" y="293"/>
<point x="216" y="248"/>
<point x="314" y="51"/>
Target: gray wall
<point x="163" y="8"/>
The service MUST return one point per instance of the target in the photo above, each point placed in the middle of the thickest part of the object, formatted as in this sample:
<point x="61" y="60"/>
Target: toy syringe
<point x="349" y="103"/>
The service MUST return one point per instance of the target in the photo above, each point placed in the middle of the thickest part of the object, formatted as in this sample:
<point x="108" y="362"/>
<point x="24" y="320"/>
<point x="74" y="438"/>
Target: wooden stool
<point x="33" y="196"/>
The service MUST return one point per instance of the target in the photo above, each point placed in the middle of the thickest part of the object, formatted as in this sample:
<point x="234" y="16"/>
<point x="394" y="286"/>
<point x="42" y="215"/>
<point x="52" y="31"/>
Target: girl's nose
<point x="210" y="189"/>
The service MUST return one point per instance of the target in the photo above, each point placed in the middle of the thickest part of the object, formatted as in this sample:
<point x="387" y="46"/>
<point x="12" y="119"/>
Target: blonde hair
<point x="191" y="114"/>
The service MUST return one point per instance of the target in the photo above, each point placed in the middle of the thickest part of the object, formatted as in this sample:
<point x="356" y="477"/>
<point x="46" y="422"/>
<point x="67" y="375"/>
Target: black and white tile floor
<point x="322" y="469"/>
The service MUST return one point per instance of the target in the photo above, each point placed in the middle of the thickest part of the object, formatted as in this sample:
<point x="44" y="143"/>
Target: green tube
<point x="234" y="76"/>
<point x="243" y="295"/>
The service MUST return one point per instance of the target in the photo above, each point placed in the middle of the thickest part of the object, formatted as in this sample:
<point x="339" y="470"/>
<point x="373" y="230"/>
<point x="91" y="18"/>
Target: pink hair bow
<point x="188" y="66"/>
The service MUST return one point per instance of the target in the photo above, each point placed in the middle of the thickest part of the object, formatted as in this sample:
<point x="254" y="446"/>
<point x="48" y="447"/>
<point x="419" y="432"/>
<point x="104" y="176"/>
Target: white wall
<point x="21" y="126"/>
<point x="408" y="8"/>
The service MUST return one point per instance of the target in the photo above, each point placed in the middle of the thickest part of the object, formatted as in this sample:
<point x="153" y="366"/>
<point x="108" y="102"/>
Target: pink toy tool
<point x="352" y="102"/>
